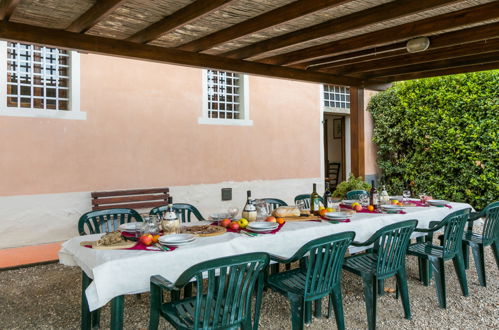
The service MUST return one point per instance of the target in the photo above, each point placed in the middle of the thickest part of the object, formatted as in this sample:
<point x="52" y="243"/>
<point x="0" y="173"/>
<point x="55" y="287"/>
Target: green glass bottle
<point x="314" y="201"/>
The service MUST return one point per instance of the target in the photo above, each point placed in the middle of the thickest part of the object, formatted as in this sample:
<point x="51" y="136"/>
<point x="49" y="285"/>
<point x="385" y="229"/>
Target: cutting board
<point x="307" y="218"/>
<point x="121" y="245"/>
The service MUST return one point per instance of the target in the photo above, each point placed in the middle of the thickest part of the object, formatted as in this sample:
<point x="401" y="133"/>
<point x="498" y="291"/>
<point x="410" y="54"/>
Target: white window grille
<point x="225" y="98"/>
<point x="336" y="97"/>
<point x="39" y="81"/>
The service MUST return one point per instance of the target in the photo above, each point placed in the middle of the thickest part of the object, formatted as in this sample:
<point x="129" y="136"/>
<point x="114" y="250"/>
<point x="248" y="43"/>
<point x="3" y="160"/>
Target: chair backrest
<point x="306" y="199"/>
<point x="491" y="226"/>
<point x="324" y="262"/>
<point x="133" y="199"/>
<point x="332" y="175"/>
<point x="103" y="221"/>
<point x="355" y="194"/>
<point x="453" y="232"/>
<point x="391" y="247"/>
<point x="274" y="203"/>
<point x="223" y="295"/>
<point x="184" y="211"/>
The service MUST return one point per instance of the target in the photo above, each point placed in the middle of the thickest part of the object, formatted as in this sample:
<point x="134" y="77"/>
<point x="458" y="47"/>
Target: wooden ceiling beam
<point x="7" y="8"/>
<point x="108" y="46"/>
<point x="459" y="37"/>
<point x="398" y="33"/>
<point x="434" y="65"/>
<point x="96" y="13"/>
<point x="356" y="20"/>
<point x="443" y="72"/>
<point x="181" y="17"/>
<point x="276" y="16"/>
<point x="474" y="48"/>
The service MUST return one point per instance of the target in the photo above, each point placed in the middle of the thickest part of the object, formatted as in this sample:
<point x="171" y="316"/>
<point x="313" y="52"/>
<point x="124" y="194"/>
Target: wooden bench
<point x="133" y="199"/>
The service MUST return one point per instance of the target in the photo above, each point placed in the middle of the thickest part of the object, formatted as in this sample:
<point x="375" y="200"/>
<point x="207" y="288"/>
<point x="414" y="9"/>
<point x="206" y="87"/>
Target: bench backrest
<point x="133" y="199"/>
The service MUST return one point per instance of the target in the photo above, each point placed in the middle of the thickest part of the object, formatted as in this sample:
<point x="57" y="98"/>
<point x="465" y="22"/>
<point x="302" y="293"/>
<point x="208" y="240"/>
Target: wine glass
<point x="364" y="199"/>
<point x="406" y="194"/>
<point x="232" y="211"/>
<point x="422" y="196"/>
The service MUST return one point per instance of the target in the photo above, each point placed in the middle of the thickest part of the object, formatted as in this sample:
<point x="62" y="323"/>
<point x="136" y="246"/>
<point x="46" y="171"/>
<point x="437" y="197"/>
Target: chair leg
<point x="85" y="312"/>
<point x="495" y="249"/>
<point x="370" y="296"/>
<point x="381" y="287"/>
<point x="466" y="254"/>
<point x="461" y="273"/>
<point x="336" y="301"/>
<point x="188" y="290"/>
<point x="318" y="308"/>
<point x="246" y="325"/>
<point x="154" y="306"/>
<point x="96" y="319"/>
<point x="274" y="268"/>
<point x="478" y="257"/>
<point x="438" y="266"/>
<point x="404" y="292"/>
<point x="425" y="271"/>
<point x="308" y="312"/>
<point x="297" y="312"/>
<point x="117" y="305"/>
<point x="420" y="260"/>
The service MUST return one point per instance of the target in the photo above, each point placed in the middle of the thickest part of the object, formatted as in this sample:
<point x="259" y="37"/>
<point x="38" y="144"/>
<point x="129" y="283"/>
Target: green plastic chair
<point x="384" y="260"/>
<point x="477" y="242"/>
<point x="274" y="202"/>
<point x="95" y="222"/>
<point x="223" y="299"/>
<point x="355" y="194"/>
<point x="306" y="199"/>
<point x="184" y="211"/>
<point x="450" y="249"/>
<point x="319" y="276"/>
<point x="103" y="221"/>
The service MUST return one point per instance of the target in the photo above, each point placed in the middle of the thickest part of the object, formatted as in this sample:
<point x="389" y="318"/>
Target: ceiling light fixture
<point x="418" y="44"/>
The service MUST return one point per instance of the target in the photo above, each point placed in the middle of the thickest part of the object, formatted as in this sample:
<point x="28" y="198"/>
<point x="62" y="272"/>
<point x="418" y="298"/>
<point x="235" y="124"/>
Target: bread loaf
<point x="286" y="211"/>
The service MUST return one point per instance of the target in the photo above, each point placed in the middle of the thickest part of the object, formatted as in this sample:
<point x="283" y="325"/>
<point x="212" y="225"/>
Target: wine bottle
<point x="384" y="197"/>
<point x="249" y="210"/>
<point x="373" y="195"/>
<point x="170" y="223"/>
<point x="314" y="201"/>
<point x="328" y="197"/>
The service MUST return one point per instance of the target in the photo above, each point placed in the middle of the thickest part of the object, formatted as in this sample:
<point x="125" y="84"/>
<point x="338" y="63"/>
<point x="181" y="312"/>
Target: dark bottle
<point x="373" y="195"/>
<point x="328" y="196"/>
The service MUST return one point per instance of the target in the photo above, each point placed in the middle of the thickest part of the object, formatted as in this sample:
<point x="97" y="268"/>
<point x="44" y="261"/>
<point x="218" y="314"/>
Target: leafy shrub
<point x="440" y="136"/>
<point x="352" y="183"/>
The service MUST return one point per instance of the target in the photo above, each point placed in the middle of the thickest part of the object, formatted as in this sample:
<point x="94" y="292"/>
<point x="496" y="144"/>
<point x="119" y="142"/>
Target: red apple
<point x="146" y="239"/>
<point x="271" y="219"/>
<point x="358" y="207"/>
<point x="225" y="223"/>
<point x="234" y="225"/>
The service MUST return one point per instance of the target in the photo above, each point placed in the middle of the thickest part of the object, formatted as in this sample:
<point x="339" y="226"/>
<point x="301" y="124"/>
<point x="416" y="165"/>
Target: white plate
<point x="338" y="215"/>
<point x="262" y="225"/>
<point x="438" y="202"/>
<point x="130" y="227"/>
<point x="399" y="198"/>
<point x="392" y="207"/>
<point x="174" y="239"/>
<point x="349" y="201"/>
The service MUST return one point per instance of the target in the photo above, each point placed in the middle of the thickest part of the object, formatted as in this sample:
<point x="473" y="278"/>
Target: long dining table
<point x="122" y="272"/>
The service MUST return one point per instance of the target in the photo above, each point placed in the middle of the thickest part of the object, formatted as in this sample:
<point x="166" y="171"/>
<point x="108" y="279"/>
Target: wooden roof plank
<point x="94" y="15"/>
<point x="398" y="33"/>
<point x="7" y="8"/>
<point x="109" y="46"/>
<point x="384" y="12"/>
<point x="279" y="15"/>
<point x="177" y="19"/>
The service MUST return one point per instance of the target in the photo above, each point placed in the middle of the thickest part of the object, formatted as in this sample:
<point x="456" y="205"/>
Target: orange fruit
<point x="280" y="221"/>
<point x="323" y="212"/>
<point x="155" y="238"/>
<point x="370" y="208"/>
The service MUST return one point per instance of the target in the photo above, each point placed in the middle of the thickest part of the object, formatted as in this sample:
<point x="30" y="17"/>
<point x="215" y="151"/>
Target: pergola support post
<point x="357" y="131"/>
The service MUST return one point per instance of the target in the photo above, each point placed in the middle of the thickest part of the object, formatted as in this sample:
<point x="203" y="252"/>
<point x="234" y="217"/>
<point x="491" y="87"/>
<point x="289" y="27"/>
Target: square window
<point x="336" y="96"/>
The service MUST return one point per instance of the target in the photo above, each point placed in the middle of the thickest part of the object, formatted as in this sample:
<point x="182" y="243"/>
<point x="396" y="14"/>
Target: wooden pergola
<point x="359" y="43"/>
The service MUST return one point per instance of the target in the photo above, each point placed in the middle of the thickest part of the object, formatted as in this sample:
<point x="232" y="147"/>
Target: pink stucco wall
<point x="142" y="130"/>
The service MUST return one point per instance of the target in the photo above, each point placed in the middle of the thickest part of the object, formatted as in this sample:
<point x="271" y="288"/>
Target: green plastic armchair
<point x="223" y="297"/>
<point x="450" y="249"/>
<point x="275" y="202"/>
<point x="184" y="211"/>
<point x="355" y="194"/>
<point x="319" y="276"/>
<point x="477" y="242"/>
<point x="384" y="260"/>
<point x="306" y="199"/>
<point x="103" y="221"/>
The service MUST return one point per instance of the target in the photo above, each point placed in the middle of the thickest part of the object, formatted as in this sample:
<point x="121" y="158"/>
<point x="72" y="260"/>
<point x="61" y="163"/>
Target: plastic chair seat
<point x="426" y="249"/>
<point x="362" y="263"/>
<point x="290" y="281"/>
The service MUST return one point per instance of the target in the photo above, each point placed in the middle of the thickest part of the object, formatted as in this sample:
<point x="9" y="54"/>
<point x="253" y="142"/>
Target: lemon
<point x="330" y="209"/>
<point x="243" y="223"/>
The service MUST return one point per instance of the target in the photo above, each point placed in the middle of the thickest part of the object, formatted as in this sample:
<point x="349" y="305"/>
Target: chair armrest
<point x="163" y="283"/>
<point x="283" y="260"/>
<point x="475" y="216"/>
<point x="433" y="226"/>
<point x="370" y="241"/>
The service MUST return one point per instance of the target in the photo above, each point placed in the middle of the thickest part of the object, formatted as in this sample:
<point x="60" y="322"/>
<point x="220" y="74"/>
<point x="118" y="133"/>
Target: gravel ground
<point x="48" y="297"/>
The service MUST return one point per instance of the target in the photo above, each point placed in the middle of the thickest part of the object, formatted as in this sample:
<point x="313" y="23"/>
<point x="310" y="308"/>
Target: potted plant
<point x="352" y="183"/>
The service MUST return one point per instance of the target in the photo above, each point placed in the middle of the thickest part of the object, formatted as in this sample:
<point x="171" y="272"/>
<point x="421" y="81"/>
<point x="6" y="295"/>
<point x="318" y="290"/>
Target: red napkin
<point x="238" y="230"/>
<point x="365" y="210"/>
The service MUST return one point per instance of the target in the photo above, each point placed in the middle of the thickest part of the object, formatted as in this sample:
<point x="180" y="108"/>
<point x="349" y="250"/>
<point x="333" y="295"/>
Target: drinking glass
<point x="406" y="194"/>
<point x="300" y="204"/>
<point x="364" y="199"/>
<point x="422" y="196"/>
<point x="232" y="211"/>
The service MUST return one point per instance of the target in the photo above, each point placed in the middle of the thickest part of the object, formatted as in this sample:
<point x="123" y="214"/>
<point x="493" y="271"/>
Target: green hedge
<point x="440" y="136"/>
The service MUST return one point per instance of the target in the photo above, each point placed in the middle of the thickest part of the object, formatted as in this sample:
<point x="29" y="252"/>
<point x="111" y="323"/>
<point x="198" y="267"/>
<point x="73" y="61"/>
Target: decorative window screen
<point x="37" y="77"/>
<point x="336" y="96"/>
<point x="224" y="99"/>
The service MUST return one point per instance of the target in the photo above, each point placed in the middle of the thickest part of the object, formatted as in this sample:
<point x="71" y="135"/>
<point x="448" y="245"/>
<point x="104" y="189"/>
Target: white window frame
<point x="243" y="100"/>
<point x="74" y="111"/>
<point x="344" y="111"/>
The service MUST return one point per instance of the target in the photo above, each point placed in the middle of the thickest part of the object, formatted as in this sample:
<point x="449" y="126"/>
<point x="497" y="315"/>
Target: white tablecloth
<point x="118" y="272"/>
